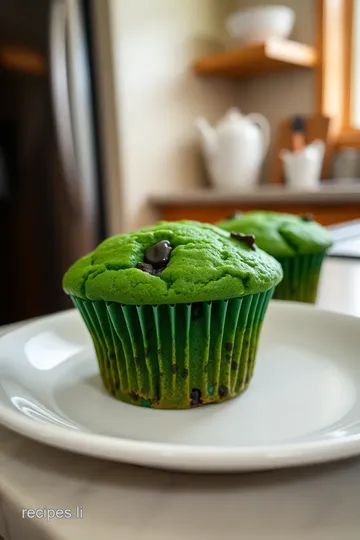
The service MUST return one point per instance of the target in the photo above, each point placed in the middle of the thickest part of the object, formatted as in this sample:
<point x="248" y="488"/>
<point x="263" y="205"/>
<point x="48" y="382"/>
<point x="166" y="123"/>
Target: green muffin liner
<point x="301" y="277"/>
<point x="176" y="356"/>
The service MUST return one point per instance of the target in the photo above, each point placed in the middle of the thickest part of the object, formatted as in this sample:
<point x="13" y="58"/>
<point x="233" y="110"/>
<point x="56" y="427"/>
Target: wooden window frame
<point x="335" y="33"/>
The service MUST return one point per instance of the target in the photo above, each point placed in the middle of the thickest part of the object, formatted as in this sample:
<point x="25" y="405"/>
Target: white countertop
<point x="341" y="193"/>
<point x="122" y="502"/>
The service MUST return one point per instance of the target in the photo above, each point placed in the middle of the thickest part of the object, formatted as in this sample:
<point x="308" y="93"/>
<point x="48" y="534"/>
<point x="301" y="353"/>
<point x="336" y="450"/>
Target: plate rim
<point x="177" y="456"/>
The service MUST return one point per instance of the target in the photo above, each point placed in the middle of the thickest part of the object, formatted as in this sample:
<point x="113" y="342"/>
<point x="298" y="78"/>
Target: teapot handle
<point x="264" y="126"/>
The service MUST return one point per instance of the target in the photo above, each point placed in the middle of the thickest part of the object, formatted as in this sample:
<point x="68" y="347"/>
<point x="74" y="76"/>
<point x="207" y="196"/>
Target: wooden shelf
<point x="245" y="62"/>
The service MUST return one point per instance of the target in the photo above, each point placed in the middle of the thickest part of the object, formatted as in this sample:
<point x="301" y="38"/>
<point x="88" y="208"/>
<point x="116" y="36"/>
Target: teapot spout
<point x="208" y="137"/>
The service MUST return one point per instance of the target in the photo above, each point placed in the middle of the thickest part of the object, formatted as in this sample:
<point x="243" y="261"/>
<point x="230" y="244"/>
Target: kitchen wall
<point x="158" y="97"/>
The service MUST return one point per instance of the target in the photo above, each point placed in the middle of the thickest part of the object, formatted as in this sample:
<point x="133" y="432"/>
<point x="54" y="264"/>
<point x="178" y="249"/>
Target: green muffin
<point x="297" y="242"/>
<point x="174" y="312"/>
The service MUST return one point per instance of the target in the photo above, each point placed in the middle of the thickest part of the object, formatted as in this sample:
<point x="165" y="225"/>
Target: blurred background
<point x="116" y="113"/>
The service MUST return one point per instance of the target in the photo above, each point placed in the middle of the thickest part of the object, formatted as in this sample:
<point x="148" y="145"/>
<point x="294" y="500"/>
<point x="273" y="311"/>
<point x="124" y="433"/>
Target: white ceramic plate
<point x="302" y="406"/>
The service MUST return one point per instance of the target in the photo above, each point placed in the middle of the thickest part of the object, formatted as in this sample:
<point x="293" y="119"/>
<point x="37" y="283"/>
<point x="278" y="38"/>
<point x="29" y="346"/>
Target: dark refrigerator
<point x="51" y="182"/>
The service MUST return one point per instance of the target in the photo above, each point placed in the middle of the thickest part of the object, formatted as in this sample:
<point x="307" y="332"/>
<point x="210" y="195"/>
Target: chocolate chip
<point x="234" y="366"/>
<point x="229" y="346"/>
<point x="233" y="215"/>
<point x="133" y="396"/>
<point x="185" y="373"/>
<point x="223" y="391"/>
<point x="145" y="267"/>
<point x="248" y="239"/>
<point x="228" y="357"/>
<point x="195" y="397"/>
<point x="197" y="310"/>
<point x="157" y="271"/>
<point x="149" y="269"/>
<point x="307" y="217"/>
<point x="173" y="368"/>
<point x="159" y="254"/>
<point x="195" y="394"/>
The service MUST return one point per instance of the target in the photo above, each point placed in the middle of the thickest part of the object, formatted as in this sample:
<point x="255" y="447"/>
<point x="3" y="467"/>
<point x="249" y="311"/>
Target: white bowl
<point x="258" y="24"/>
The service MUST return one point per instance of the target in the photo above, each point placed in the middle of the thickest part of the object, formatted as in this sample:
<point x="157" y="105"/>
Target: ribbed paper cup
<point x="176" y="356"/>
<point x="301" y="278"/>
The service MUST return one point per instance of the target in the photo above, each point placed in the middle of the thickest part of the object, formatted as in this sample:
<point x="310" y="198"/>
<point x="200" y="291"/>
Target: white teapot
<point x="235" y="149"/>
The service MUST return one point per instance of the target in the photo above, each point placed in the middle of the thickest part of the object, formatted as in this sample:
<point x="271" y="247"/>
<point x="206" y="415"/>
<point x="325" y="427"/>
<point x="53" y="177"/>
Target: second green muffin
<point x="297" y="242"/>
<point x="174" y="312"/>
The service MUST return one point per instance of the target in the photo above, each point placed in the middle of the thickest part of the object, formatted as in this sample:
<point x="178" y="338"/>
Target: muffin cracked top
<point x="281" y="235"/>
<point x="170" y="263"/>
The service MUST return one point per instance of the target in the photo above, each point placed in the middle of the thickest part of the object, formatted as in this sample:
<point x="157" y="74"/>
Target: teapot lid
<point x="231" y="118"/>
